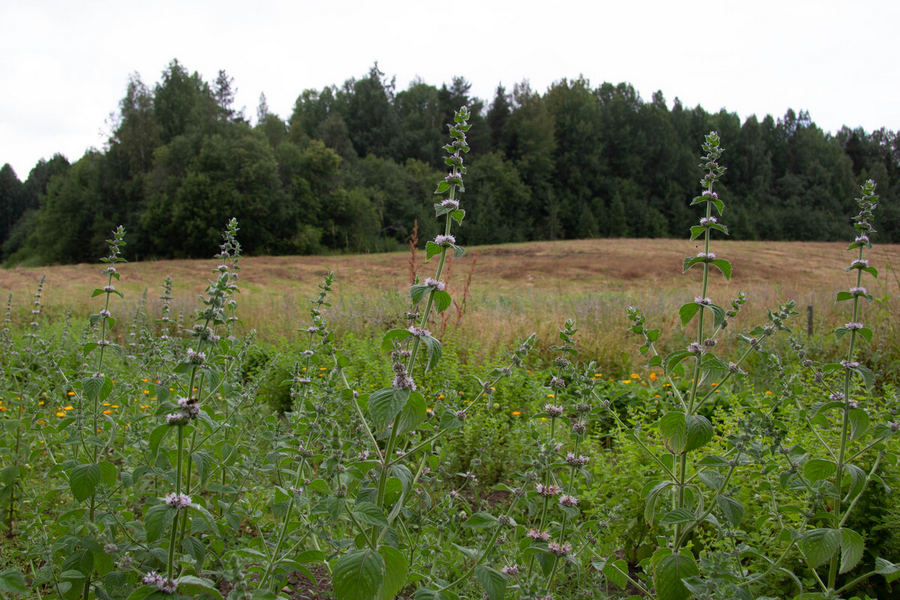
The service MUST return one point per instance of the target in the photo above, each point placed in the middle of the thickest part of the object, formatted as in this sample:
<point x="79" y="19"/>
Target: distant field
<point x="515" y="288"/>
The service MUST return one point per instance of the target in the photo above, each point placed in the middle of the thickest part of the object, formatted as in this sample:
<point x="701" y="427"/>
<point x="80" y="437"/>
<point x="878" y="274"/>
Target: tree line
<point x="354" y="168"/>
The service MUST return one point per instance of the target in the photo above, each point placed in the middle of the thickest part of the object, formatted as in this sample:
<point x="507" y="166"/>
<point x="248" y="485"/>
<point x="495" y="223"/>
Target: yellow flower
<point x="107" y="412"/>
<point x="441" y="397"/>
<point x="652" y="375"/>
<point x="70" y="408"/>
<point x="550" y="395"/>
<point x="145" y="380"/>
<point x="768" y="392"/>
<point x="635" y="376"/>
<point x="516" y="413"/>
<point x="70" y="393"/>
<point x="60" y="414"/>
<point x="626" y="381"/>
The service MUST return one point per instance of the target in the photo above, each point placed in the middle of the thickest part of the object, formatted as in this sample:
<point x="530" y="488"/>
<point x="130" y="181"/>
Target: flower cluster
<point x="190" y="408"/>
<point x="163" y="584"/>
<point x="444" y="240"/>
<point x="178" y="501"/>
<point x="434" y="283"/>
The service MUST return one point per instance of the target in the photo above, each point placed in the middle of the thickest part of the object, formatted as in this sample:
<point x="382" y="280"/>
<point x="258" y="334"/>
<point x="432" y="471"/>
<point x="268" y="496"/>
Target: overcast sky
<point x="64" y="65"/>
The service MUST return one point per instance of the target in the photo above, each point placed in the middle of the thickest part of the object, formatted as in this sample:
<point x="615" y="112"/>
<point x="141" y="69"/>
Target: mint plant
<point x="695" y="490"/>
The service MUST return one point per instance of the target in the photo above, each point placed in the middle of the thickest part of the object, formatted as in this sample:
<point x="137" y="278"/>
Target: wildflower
<point x="710" y="194"/>
<point x="178" y="501"/>
<point x="569" y="501"/>
<point x="548" y="491"/>
<point x="450" y="203"/>
<point x="859" y="291"/>
<point x="853" y="325"/>
<point x="579" y="427"/>
<point x="434" y="283"/>
<point x="576" y="461"/>
<point x="535" y="534"/>
<point x="837" y="397"/>
<point x="163" y="584"/>
<point x="418" y="332"/>
<point x="707" y="256"/>
<point x="695" y="348"/>
<point x="861" y="239"/>
<point x="560" y="549"/>
<point x="553" y="410"/>
<point x="105" y="313"/>
<point x="504" y="520"/>
<point x="196" y="358"/>
<point x="859" y="263"/>
<point x="516" y="413"/>
<point x="510" y="570"/>
<point x="444" y="240"/>
<point x="706" y="221"/>
<point x="557" y="382"/>
<point x="109" y="289"/>
<point x="849" y="364"/>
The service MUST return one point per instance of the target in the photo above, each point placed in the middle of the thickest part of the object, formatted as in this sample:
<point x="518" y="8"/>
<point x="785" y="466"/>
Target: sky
<point x="64" y="65"/>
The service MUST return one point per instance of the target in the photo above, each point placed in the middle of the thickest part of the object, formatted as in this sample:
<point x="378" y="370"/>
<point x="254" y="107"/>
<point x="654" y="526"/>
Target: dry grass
<point x="515" y="289"/>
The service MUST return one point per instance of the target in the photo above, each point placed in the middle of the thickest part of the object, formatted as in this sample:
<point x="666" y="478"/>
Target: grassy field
<point x="514" y="288"/>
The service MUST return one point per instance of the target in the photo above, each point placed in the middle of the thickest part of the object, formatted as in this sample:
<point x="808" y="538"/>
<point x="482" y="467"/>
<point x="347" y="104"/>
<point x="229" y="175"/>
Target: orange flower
<point x="107" y="412"/>
<point x="516" y="413"/>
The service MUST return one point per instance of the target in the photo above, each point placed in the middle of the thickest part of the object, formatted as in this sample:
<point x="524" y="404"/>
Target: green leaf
<point x="158" y="518"/>
<point x="108" y="474"/>
<point x="194" y="586"/>
<point x="206" y="515"/>
<point x="442" y="187"/>
<point x="416" y="291"/>
<point x="396" y="570"/>
<point x="369" y="514"/>
<point x="156" y="436"/>
<point x="697" y="231"/>
<point x="616" y="572"/>
<point x="433" y="351"/>
<point x="669" y="572"/>
<point x="687" y="312"/>
<point x="723" y="265"/>
<point x="394" y="335"/>
<point x="432" y="249"/>
<point x="731" y="508"/>
<point x="492" y="582"/>
<point x="458" y="215"/>
<point x="358" y="575"/>
<point x="819" y="545"/>
<point x="83" y="480"/>
<point x="841" y="296"/>
<point x="859" y="422"/>
<point x="674" y="359"/>
<point x="412" y="414"/>
<point x="817" y="469"/>
<point x="887" y="568"/>
<point x="481" y="520"/>
<point x="679" y="515"/>
<point x="851" y="549"/>
<point x="689" y="262"/>
<point x="653" y="499"/>
<point x="442" y="300"/>
<point x="384" y="404"/>
<point x="12" y="582"/>
<point x="683" y="434"/>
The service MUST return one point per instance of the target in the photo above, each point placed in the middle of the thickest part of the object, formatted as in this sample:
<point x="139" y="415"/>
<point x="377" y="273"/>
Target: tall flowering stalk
<point x="836" y="481"/>
<point x="678" y="501"/>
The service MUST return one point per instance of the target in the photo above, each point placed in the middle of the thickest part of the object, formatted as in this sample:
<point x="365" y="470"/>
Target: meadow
<point x="594" y="419"/>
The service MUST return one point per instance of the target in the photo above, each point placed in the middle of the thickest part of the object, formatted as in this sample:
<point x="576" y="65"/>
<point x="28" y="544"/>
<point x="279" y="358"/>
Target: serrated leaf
<point x="616" y="571"/>
<point x="687" y="312"/>
<point x="481" y="520"/>
<point x="817" y="469"/>
<point x="851" y="549"/>
<point x="395" y="571"/>
<point x="412" y="414"/>
<point x="358" y="575"/>
<point x="369" y="514"/>
<point x="432" y="249"/>
<point x="841" y="296"/>
<point x="194" y="586"/>
<point x="731" y="509"/>
<point x="391" y="336"/>
<point x="442" y="300"/>
<point x="859" y="422"/>
<point x="492" y="582"/>
<point x="679" y="515"/>
<point x="722" y="265"/>
<point x="108" y="474"/>
<point x="433" y="351"/>
<point x="819" y="545"/>
<point x="384" y="404"/>
<point x="83" y="480"/>
<point x="669" y="572"/>
<point x="458" y="215"/>
<point x="158" y="518"/>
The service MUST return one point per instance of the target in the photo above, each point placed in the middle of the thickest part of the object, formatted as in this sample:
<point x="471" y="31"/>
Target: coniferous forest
<point x="354" y="166"/>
